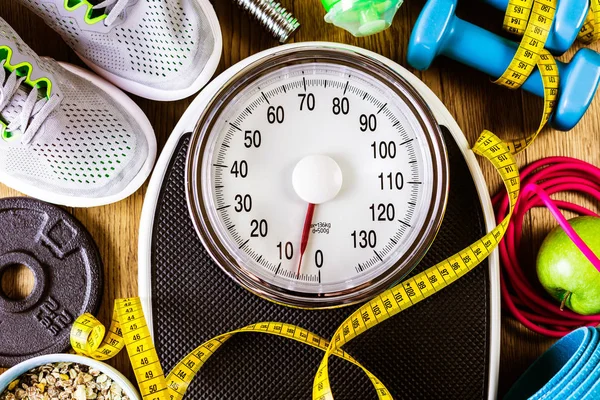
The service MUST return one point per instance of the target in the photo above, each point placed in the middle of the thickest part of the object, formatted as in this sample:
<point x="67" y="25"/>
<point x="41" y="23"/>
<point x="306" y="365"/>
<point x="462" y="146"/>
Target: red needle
<point x="305" y="232"/>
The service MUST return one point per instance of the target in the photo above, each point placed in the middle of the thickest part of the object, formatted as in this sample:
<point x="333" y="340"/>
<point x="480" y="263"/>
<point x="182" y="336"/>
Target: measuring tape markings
<point x="181" y="376"/>
<point x="537" y="17"/>
<point x="550" y="79"/>
<point x="518" y="15"/>
<point x="129" y="329"/>
<point x="533" y="20"/>
<point x="87" y="337"/>
<point x="410" y="292"/>
<point x="590" y="31"/>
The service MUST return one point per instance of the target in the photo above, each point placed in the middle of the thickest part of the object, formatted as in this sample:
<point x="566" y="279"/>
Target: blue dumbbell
<point x="570" y="17"/>
<point x="439" y="31"/>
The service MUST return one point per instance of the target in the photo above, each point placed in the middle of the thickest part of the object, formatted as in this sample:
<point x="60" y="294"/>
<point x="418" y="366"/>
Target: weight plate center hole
<point x="17" y="282"/>
<point x="17" y="299"/>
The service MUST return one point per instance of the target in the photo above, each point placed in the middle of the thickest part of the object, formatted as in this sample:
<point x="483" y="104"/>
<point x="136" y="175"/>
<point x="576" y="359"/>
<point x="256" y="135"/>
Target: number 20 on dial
<point x="317" y="178"/>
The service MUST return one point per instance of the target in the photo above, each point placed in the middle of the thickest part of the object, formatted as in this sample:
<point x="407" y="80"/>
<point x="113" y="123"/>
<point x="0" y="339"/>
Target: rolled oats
<point x="63" y="381"/>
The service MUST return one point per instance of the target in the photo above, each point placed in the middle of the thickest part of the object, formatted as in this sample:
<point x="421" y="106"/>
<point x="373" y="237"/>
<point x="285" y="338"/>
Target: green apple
<point x="566" y="273"/>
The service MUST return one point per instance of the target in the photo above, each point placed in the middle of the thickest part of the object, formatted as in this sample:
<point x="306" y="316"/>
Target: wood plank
<point x="470" y="96"/>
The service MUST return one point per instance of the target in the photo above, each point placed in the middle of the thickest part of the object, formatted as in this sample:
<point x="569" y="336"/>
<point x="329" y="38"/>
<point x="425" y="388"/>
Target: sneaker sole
<point x="147" y="92"/>
<point x="133" y="186"/>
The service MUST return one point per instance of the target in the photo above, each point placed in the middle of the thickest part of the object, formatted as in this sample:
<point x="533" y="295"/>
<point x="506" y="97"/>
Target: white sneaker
<point x="67" y="136"/>
<point x="157" y="49"/>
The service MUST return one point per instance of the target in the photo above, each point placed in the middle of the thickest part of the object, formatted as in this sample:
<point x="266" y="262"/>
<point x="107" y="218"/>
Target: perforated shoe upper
<point x="90" y="146"/>
<point x="162" y="44"/>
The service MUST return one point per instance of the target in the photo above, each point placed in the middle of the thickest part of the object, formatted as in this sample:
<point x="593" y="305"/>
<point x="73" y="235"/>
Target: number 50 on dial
<point x="317" y="177"/>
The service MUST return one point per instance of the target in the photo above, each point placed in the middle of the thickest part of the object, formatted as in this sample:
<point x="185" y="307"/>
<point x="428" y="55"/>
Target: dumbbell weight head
<point x="578" y="85"/>
<point x="439" y="32"/>
<point x="434" y="26"/>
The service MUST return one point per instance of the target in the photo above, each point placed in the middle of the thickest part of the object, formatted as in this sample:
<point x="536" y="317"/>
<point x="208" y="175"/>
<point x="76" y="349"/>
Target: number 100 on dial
<point x="317" y="178"/>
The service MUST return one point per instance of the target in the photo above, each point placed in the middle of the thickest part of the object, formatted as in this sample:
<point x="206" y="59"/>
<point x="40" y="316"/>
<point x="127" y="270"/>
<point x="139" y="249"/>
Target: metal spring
<point x="272" y="16"/>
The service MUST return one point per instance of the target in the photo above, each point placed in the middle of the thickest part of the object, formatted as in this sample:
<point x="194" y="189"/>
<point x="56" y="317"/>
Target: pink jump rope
<point x="529" y="304"/>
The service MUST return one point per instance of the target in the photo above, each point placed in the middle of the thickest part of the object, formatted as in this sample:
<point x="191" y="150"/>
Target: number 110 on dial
<point x="320" y="181"/>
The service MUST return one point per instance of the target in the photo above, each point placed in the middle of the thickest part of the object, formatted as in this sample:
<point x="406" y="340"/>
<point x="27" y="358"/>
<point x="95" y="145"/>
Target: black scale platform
<point x="435" y="350"/>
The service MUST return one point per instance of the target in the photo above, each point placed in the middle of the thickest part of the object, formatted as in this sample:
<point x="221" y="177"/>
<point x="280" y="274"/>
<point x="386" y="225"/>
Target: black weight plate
<point x="67" y="268"/>
<point x="436" y="350"/>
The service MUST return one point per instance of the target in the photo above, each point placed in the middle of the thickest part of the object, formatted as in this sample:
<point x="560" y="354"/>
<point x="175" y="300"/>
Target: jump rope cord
<point x="528" y="303"/>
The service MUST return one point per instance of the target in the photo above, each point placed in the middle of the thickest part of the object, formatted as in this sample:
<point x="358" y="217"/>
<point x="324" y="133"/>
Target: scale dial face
<point x="317" y="178"/>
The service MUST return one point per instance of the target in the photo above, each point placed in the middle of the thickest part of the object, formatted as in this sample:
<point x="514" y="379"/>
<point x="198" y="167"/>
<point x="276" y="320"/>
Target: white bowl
<point x="19" y="369"/>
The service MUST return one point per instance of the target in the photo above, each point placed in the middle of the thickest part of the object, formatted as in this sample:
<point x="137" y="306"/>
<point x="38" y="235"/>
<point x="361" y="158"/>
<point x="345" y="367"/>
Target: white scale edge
<point x="441" y="114"/>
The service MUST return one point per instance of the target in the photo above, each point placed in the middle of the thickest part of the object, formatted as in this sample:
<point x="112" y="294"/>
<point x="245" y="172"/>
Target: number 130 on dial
<point x="317" y="178"/>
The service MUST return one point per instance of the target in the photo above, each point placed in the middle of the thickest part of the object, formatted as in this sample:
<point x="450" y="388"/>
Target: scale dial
<point x="317" y="177"/>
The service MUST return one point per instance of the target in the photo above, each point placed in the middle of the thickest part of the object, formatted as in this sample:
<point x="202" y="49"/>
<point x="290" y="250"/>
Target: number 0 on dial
<point x="317" y="178"/>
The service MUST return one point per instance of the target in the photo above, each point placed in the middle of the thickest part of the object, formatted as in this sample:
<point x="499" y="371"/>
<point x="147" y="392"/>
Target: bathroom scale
<point x="300" y="183"/>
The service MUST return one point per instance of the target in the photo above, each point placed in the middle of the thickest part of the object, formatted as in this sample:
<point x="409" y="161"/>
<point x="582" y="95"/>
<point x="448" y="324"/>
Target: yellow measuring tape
<point x="129" y="329"/>
<point x="590" y="32"/>
<point x="532" y="19"/>
<point x="518" y="14"/>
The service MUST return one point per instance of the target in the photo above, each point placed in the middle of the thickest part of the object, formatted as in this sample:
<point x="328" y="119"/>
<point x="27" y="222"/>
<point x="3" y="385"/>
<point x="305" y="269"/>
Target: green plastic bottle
<point x="361" y="17"/>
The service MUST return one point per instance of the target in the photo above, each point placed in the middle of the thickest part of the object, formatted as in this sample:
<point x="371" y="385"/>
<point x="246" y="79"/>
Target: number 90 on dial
<point x="317" y="177"/>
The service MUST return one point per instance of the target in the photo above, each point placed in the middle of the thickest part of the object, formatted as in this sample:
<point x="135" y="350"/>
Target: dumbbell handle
<point x="489" y="53"/>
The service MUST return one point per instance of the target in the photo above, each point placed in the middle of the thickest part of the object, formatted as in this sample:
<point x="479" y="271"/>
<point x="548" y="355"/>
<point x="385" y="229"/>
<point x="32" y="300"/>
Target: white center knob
<point x="317" y="179"/>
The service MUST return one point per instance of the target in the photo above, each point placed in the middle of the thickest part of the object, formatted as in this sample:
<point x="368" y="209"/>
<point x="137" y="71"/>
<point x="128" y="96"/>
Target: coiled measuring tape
<point x="129" y="329"/>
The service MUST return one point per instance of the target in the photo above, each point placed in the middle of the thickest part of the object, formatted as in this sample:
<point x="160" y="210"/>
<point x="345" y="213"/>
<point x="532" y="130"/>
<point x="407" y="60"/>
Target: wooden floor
<point x="470" y="96"/>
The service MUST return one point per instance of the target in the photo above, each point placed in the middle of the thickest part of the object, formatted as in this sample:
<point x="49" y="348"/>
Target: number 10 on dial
<point x="317" y="178"/>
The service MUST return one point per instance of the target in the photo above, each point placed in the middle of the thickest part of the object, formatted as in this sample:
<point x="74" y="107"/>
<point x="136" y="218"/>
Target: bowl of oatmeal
<point x="65" y="376"/>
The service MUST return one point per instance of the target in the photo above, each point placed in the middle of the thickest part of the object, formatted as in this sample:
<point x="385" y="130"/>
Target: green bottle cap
<point x="361" y="17"/>
<point x="329" y="3"/>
